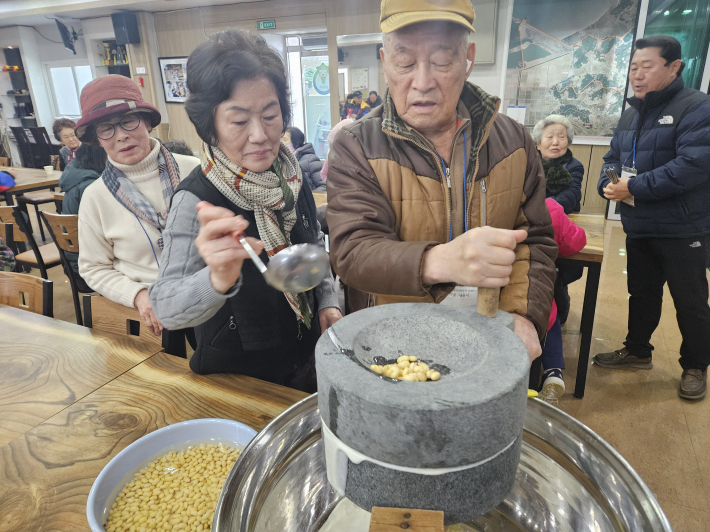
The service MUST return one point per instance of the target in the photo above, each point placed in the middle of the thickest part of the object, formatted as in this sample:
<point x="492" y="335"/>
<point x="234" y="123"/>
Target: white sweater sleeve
<point x="96" y="261"/>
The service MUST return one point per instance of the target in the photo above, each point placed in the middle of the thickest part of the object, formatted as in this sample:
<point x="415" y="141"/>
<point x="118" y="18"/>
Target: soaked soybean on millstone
<point x="407" y="368"/>
<point x="466" y="426"/>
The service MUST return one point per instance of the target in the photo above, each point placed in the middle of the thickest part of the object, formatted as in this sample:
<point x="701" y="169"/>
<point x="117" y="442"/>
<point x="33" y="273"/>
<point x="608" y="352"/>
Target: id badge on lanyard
<point x="630" y="171"/>
<point x="462" y="297"/>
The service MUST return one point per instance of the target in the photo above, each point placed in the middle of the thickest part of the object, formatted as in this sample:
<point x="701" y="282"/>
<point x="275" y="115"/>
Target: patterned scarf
<point x="132" y="199"/>
<point x="271" y="195"/>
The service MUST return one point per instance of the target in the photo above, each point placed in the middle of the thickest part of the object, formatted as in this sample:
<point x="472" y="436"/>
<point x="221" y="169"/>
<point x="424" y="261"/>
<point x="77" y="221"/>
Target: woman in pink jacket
<point x="571" y="239"/>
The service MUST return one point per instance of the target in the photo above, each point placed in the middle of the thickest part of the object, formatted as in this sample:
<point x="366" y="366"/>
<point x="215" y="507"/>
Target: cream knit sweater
<point x="115" y="254"/>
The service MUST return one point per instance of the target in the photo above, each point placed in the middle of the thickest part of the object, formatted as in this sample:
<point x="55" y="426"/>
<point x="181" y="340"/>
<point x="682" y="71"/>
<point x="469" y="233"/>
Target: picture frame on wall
<point x="173" y="71"/>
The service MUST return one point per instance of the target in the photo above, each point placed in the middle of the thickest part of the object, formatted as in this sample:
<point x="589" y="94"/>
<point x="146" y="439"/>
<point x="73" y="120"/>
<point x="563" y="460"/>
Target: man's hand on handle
<point x="481" y="257"/>
<point x="218" y="244"/>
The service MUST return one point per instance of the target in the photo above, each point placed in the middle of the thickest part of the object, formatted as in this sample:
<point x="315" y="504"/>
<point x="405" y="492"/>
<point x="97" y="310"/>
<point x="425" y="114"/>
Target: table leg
<point x="588" y="308"/>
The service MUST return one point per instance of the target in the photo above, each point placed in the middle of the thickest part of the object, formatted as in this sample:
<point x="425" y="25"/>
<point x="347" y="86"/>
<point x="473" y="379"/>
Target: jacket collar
<point x="482" y="107"/>
<point x="657" y="98"/>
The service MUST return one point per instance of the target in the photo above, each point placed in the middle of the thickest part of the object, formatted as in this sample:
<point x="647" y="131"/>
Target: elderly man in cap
<point x="435" y="192"/>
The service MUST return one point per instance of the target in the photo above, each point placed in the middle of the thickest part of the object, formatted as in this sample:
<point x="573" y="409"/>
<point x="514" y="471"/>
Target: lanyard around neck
<point x="465" y="199"/>
<point x="632" y="154"/>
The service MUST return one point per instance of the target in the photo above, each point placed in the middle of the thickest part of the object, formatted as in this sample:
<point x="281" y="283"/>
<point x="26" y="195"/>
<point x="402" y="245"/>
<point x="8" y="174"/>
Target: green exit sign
<point x="266" y="25"/>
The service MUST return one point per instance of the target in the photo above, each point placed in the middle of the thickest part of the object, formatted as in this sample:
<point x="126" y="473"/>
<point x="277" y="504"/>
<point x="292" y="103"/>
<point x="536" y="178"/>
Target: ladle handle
<point x="488" y="301"/>
<point x="252" y="254"/>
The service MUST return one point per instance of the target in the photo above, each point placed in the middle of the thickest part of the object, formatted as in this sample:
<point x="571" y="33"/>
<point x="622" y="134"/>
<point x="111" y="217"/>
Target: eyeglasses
<point x="129" y="122"/>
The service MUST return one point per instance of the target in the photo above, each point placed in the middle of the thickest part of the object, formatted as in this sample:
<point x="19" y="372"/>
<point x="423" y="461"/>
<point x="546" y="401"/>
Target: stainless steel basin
<point x="569" y="479"/>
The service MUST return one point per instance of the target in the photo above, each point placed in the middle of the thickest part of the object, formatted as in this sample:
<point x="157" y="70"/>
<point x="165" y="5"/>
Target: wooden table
<point x="590" y="257"/>
<point x="72" y="399"/>
<point x="29" y="180"/>
<point x="321" y="198"/>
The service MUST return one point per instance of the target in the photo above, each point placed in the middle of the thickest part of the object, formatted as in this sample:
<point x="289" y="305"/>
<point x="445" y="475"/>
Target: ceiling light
<point x="686" y="11"/>
<point x="666" y="13"/>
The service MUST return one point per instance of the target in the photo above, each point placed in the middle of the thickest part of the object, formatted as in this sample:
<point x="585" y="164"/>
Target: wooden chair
<point x="42" y="257"/>
<point x="59" y="201"/>
<point x="64" y="230"/>
<point x="104" y="315"/>
<point x="25" y="147"/>
<point x="27" y="292"/>
<point x="36" y="198"/>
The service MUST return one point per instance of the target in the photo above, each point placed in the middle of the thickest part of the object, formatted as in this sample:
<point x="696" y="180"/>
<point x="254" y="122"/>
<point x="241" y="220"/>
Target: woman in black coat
<point x="563" y="183"/>
<point x="563" y="173"/>
<point x="309" y="162"/>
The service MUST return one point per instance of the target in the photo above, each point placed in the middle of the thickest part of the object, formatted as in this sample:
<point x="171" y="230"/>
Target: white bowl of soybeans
<point x="169" y="479"/>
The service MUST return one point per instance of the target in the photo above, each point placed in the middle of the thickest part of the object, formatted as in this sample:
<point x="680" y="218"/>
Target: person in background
<point x="355" y="108"/>
<point x="249" y="185"/>
<point x="63" y="130"/>
<point x="563" y="183"/>
<point x="180" y="147"/>
<point x="435" y="188"/>
<point x="570" y="239"/>
<point x="123" y="214"/>
<point x="86" y="167"/>
<point x="373" y="100"/>
<point x="309" y="162"/>
<point x="331" y="137"/>
<point x="563" y="173"/>
<point x="661" y="151"/>
<point x="7" y="258"/>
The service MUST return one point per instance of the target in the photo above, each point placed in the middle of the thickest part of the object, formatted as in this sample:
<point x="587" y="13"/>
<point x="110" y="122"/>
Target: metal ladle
<point x="295" y="269"/>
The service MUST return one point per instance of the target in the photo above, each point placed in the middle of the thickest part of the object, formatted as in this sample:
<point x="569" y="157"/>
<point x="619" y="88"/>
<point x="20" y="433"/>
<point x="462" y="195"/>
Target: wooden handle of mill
<point x="397" y="519"/>
<point x="488" y="301"/>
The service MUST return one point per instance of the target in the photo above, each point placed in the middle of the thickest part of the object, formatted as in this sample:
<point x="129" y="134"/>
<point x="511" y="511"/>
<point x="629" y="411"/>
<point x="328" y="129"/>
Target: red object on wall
<point x="140" y="82"/>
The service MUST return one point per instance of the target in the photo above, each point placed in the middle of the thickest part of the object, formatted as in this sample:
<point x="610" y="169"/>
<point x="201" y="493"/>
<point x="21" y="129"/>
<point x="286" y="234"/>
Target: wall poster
<point x="359" y="79"/>
<point x="571" y="58"/>
<point x="174" y="73"/>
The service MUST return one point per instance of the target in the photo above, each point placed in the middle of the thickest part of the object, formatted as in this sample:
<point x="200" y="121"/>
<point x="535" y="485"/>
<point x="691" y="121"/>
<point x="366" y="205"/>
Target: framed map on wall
<point x="570" y="58"/>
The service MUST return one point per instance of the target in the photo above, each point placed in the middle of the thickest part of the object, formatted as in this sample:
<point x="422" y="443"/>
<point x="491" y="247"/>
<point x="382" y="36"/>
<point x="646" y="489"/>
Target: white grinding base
<point x="338" y="454"/>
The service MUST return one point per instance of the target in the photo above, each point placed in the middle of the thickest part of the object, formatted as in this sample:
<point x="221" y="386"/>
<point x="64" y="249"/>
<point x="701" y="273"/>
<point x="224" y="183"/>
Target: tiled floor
<point x="666" y="439"/>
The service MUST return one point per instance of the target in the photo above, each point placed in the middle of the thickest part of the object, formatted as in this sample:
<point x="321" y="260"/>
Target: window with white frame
<point x="66" y="81"/>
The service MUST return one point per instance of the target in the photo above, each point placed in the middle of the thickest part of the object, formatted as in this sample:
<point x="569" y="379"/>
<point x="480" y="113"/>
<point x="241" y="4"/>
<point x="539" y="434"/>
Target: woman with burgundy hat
<point x="250" y="184"/>
<point x="123" y="214"/>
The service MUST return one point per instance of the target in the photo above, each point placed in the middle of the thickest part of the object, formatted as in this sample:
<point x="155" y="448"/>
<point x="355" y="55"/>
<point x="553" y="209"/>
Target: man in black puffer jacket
<point x="662" y="145"/>
<point x="309" y="162"/>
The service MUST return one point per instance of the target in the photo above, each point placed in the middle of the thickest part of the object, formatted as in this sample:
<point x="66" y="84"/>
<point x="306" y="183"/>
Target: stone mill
<point x="451" y="445"/>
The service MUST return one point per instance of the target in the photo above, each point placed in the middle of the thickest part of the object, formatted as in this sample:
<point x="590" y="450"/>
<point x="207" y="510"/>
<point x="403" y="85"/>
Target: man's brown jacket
<point x="388" y="202"/>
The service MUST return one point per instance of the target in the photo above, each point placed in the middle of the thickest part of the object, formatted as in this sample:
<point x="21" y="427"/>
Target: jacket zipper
<point x="486" y="133"/>
<point x="444" y="178"/>
<point x="483" y="202"/>
<point x="231" y="325"/>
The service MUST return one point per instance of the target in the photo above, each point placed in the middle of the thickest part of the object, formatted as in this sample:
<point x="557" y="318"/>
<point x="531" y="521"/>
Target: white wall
<point x="34" y="72"/>
<point x="362" y="56"/>
<point x="490" y="77"/>
<point x="96" y="29"/>
<point x="49" y="51"/>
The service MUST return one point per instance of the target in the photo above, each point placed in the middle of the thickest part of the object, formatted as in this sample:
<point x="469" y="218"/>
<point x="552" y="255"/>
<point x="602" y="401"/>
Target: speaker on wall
<point x="341" y="56"/>
<point x="125" y="27"/>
